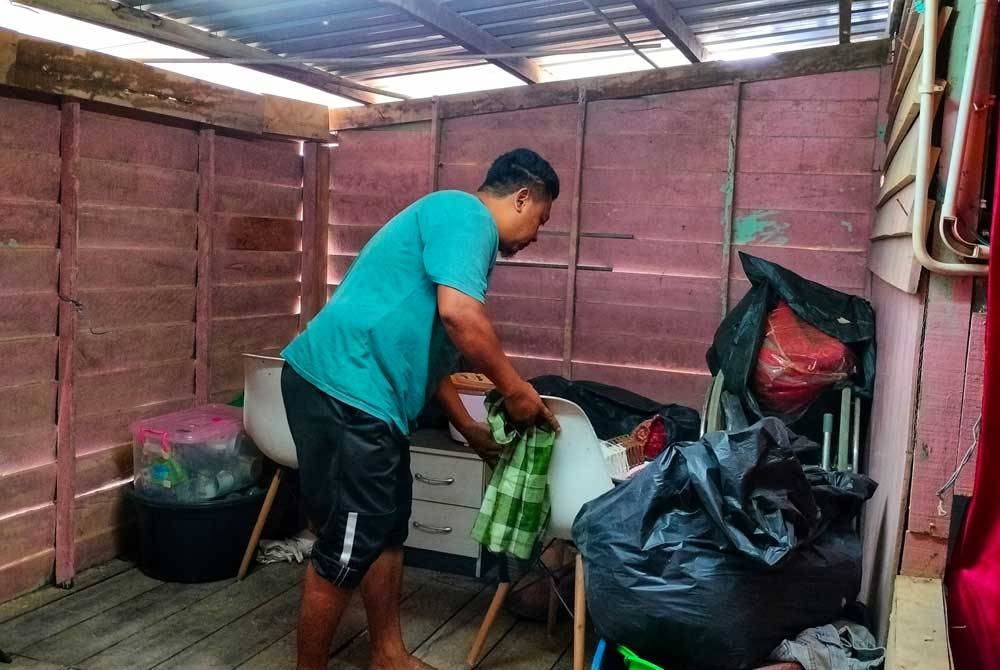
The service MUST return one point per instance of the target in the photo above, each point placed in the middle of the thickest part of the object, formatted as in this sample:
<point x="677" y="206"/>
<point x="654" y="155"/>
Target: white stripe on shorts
<point x="352" y="524"/>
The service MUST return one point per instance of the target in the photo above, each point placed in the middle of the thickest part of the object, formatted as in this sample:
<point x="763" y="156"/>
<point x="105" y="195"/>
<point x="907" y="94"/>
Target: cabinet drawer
<point x="443" y="528"/>
<point x="453" y="481"/>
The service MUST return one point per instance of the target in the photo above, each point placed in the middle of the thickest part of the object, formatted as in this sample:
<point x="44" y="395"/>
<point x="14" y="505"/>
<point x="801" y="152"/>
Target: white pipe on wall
<point x="925" y="127"/>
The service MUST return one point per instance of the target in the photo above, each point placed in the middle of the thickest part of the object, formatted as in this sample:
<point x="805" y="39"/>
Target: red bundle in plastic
<point x="796" y="363"/>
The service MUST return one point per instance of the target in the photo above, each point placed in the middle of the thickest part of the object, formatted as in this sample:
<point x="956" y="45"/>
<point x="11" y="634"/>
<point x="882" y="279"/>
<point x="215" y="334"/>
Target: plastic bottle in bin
<point x="193" y="455"/>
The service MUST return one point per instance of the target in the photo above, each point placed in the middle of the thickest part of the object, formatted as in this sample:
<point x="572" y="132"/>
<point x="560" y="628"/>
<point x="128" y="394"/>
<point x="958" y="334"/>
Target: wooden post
<point x="435" y="143"/>
<point x="69" y="191"/>
<point x="203" y="311"/>
<point x="308" y="287"/>
<point x="319" y="269"/>
<point x="574" y="236"/>
<point x="730" y="194"/>
<point x="845" y="21"/>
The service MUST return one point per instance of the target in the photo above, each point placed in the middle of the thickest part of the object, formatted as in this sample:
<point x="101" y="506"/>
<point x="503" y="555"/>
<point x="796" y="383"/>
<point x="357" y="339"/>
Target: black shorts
<point x="355" y="477"/>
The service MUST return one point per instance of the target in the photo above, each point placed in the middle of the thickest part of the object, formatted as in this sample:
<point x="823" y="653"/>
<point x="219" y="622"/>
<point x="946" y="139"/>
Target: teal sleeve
<point x="460" y="244"/>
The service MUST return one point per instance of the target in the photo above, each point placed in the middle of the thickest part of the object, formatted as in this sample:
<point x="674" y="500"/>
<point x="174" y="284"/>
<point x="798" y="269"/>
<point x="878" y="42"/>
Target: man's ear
<point x="521" y="199"/>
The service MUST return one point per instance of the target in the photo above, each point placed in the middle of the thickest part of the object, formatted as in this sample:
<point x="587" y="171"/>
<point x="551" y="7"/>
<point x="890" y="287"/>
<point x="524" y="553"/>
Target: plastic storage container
<point x="193" y="455"/>
<point x="195" y="542"/>
<point x="472" y="390"/>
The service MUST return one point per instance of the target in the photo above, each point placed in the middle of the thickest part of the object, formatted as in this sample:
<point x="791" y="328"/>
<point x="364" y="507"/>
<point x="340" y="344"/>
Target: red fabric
<point x="651" y="437"/>
<point x="974" y="570"/>
<point x="796" y="363"/>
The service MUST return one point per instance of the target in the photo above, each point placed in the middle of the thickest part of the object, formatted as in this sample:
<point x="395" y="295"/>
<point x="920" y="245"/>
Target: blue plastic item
<point x="598" y="663"/>
<point x="606" y="657"/>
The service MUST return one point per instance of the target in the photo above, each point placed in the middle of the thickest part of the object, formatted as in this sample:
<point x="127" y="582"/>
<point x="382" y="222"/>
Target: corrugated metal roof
<point x="367" y="28"/>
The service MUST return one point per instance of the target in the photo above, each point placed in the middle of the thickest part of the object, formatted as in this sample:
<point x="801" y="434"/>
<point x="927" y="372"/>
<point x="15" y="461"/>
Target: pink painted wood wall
<point x="256" y="255"/>
<point x="899" y="324"/>
<point x="29" y="304"/>
<point x="190" y="252"/>
<point x="654" y="188"/>
<point x="141" y="194"/>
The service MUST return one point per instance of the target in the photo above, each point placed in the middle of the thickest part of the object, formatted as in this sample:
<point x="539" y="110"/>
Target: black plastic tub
<point x="194" y="542"/>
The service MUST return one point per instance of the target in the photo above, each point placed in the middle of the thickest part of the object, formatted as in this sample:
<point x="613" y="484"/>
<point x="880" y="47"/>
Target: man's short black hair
<point x="521" y="168"/>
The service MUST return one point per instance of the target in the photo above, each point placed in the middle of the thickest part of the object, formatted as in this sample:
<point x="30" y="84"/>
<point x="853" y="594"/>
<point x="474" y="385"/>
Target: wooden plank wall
<point x="373" y="175"/>
<point x="131" y="242"/>
<point x="527" y="303"/>
<point x="803" y="191"/>
<point x="256" y="260"/>
<point x="135" y="346"/>
<point x="29" y="269"/>
<point x="656" y="171"/>
<point x="899" y="326"/>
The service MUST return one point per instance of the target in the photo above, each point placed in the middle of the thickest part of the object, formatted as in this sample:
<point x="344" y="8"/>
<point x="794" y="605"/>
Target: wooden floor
<point x="115" y="617"/>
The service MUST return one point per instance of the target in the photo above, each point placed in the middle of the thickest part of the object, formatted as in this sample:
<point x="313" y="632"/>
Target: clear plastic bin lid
<point x="204" y="424"/>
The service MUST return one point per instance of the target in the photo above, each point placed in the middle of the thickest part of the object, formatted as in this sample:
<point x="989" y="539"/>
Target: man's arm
<point x="478" y="436"/>
<point x="469" y="327"/>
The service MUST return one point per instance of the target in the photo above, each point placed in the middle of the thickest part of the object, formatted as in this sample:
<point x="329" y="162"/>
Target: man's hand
<point x="525" y="407"/>
<point x="482" y="443"/>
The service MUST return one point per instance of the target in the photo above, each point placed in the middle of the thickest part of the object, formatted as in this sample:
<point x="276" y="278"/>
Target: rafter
<point x="114" y="15"/>
<point x="666" y="19"/>
<point x="473" y="38"/>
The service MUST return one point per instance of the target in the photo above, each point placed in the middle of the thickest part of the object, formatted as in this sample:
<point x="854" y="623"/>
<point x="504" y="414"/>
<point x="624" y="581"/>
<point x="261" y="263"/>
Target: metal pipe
<point x="827" y="440"/>
<point x="843" y="435"/>
<point x="955" y="162"/>
<point x="856" y="437"/>
<point x="925" y="124"/>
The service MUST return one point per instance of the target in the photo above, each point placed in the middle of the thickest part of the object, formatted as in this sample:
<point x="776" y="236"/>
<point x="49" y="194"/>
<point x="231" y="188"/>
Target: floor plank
<point x="565" y="662"/>
<point x="25" y="663"/>
<point x="528" y="647"/>
<point x="48" y="594"/>
<point x="422" y="614"/>
<point x="181" y="630"/>
<point x="24" y="631"/>
<point x="452" y="642"/>
<point x="242" y="639"/>
<point x="75" y="645"/>
<point x="281" y="655"/>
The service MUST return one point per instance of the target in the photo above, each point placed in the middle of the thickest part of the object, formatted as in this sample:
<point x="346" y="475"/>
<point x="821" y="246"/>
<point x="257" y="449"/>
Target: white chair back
<point x="577" y="473"/>
<point x="264" y="409"/>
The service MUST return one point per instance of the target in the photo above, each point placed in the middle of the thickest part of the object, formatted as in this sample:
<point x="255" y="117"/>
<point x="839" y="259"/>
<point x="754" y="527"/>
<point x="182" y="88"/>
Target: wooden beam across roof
<point x="114" y="15"/>
<point x="470" y="36"/>
<point x="627" y="85"/>
<point x="48" y="67"/>
<point x="666" y="19"/>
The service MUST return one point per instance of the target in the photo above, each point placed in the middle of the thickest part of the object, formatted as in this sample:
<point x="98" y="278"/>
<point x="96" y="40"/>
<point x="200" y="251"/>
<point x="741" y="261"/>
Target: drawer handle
<point x="434" y="530"/>
<point x="423" y="479"/>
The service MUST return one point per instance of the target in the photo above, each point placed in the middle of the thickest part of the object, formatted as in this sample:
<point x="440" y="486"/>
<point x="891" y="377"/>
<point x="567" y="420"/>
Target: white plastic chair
<point x="267" y="425"/>
<point x="577" y="475"/>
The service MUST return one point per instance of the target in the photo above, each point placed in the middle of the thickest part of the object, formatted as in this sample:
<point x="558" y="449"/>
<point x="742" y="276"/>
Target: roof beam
<point x="466" y="33"/>
<point x="666" y="19"/>
<point x="111" y="14"/>
<point x="819" y="60"/>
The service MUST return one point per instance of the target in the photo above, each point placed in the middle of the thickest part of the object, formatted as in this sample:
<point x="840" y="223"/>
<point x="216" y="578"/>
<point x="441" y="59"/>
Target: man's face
<point x="529" y="210"/>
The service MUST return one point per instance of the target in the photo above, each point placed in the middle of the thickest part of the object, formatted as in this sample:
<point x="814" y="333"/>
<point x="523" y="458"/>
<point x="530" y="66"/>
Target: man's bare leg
<point x="382" y="590"/>
<point x="323" y="604"/>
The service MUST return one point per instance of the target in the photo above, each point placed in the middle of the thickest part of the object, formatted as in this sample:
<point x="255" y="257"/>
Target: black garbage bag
<point x="615" y="411"/>
<point x="722" y="548"/>
<point x="737" y="341"/>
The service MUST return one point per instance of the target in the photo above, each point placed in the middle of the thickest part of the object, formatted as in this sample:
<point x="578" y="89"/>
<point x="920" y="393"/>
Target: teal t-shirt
<point x="379" y="344"/>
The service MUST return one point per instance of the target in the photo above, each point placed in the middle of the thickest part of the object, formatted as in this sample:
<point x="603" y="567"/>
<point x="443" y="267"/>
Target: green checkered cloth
<point x="515" y="510"/>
